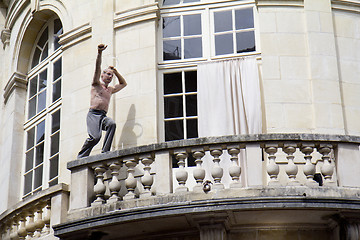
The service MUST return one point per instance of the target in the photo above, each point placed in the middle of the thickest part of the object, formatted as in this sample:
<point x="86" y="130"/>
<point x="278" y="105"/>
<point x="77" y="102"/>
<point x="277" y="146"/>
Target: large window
<point x="42" y="126"/>
<point x="191" y="32"/>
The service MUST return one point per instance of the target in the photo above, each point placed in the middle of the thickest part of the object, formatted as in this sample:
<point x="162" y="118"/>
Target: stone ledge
<point x="246" y="138"/>
<point x="296" y="198"/>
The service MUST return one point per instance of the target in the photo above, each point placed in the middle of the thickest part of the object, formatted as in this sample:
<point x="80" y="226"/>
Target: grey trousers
<point x="97" y="121"/>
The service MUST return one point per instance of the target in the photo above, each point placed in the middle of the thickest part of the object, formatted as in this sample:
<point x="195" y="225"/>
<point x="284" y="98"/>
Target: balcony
<point x="230" y="182"/>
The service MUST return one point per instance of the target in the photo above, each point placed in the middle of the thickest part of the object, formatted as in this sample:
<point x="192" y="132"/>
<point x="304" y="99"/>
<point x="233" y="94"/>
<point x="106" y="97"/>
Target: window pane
<point x="41" y="101"/>
<point x="171" y="26"/>
<point x="174" y="130"/>
<point x="43" y="80"/>
<point x="55" y="123"/>
<point x="245" y="42"/>
<point x="28" y="183"/>
<point x="224" y="44"/>
<point x="57" y="69"/>
<point x="192" y="128"/>
<point x="173" y="107"/>
<point x="29" y="164"/>
<point x="33" y="86"/>
<point x="45" y="52"/>
<point x="191" y="81"/>
<point x="43" y="39"/>
<point x="40" y="132"/>
<point x="170" y="2"/>
<point x="39" y="158"/>
<point x="38" y="177"/>
<point x="32" y="107"/>
<point x="244" y="18"/>
<point x="30" y="138"/>
<point x="57" y="31"/>
<point x="172" y="49"/>
<point x="53" y="182"/>
<point x="36" y="57"/>
<point x="223" y="21"/>
<point x="192" y="24"/>
<point x="193" y="48"/>
<point x="54" y="167"/>
<point x="191" y="105"/>
<point x="55" y="144"/>
<point x="56" y="91"/>
<point x="172" y="83"/>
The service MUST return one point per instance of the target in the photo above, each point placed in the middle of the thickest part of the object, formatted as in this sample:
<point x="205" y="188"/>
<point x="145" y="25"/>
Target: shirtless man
<point x="99" y="103"/>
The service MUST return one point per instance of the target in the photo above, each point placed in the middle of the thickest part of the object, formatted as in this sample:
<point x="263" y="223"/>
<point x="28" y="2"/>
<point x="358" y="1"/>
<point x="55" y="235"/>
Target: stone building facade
<point x="291" y="171"/>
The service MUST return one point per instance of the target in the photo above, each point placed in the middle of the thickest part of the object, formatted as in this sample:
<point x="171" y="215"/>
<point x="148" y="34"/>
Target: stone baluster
<point x="272" y="168"/>
<point x="217" y="171"/>
<point x="47" y="217"/>
<point x="309" y="168"/>
<point x="199" y="171"/>
<point x="291" y="169"/>
<point x="22" y="233"/>
<point x="30" y="226"/>
<point x="327" y="169"/>
<point x="235" y="169"/>
<point x="147" y="179"/>
<point x="131" y="181"/>
<point x="39" y="223"/>
<point x="181" y="173"/>
<point x="15" y="227"/>
<point x="114" y="184"/>
<point x="99" y="188"/>
<point x="7" y="230"/>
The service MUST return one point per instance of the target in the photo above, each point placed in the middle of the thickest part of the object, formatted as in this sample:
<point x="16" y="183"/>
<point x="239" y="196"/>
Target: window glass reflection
<point x="193" y="48"/>
<point x="245" y="42"/>
<point x="223" y="21"/>
<point x="172" y="49"/>
<point x="192" y="24"/>
<point x="244" y="18"/>
<point x="224" y="44"/>
<point x="171" y="26"/>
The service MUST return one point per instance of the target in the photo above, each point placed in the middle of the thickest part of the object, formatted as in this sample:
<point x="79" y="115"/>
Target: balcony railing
<point x="206" y="165"/>
<point x="33" y="217"/>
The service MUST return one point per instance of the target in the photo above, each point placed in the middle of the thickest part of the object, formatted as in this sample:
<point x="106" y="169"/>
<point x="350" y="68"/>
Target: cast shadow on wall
<point x="131" y="131"/>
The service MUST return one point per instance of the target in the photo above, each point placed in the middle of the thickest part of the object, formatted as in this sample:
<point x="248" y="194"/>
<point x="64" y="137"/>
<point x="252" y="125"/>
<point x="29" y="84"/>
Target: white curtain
<point x="229" y="97"/>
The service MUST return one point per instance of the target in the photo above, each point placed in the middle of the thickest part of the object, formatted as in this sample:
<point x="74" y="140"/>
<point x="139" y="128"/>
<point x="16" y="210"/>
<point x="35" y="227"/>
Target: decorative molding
<point x="75" y="35"/>
<point x="285" y="3"/>
<point x="14" y="10"/>
<point x="346" y="5"/>
<point x="5" y="36"/>
<point x="17" y="80"/>
<point x="135" y="15"/>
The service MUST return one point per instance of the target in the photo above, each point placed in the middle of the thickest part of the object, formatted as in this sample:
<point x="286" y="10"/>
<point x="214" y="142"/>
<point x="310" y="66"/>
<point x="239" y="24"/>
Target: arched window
<point x="42" y="125"/>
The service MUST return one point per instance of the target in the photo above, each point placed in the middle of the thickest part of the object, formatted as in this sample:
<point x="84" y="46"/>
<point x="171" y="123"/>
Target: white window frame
<point x="207" y="9"/>
<point x="45" y="114"/>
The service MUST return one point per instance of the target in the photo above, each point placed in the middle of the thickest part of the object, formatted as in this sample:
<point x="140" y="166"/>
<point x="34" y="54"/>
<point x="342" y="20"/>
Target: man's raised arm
<point x="122" y="83"/>
<point x="96" y="79"/>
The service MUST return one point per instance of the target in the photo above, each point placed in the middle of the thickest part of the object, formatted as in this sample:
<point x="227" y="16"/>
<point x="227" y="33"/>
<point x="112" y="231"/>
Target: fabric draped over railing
<point x="229" y="97"/>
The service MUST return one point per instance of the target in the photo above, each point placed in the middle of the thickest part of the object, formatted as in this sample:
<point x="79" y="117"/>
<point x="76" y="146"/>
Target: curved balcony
<point x="231" y="182"/>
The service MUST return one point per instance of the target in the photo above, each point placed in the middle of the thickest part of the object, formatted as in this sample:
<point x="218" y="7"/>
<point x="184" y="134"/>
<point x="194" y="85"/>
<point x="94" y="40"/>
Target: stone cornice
<point x="17" y="80"/>
<point x="346" y="5"/>
<point x="75" y="35"/>
<point x="135" y="15"/>
<point x="292" y="3"/>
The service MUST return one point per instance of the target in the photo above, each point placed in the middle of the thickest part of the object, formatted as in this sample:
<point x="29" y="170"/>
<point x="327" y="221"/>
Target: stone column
<point x="212" y="226"/>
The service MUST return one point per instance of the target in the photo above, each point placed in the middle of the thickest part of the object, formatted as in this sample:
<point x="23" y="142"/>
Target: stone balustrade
<point x="215" y="163"/>
<point x="33" y="217"/>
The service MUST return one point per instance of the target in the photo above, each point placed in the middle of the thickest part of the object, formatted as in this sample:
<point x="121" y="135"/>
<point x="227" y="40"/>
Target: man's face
<point x="107" y="75"/>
